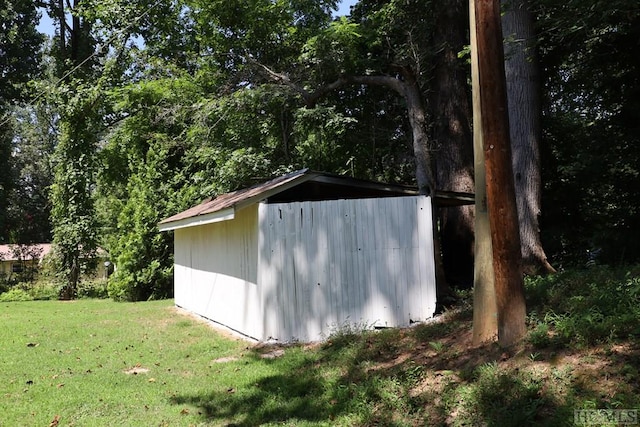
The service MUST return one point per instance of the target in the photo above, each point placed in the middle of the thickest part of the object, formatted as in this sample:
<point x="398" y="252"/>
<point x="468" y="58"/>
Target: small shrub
<point x="15" y="294"/>
<point x="44" y="290"/>
<point x="96" y="288"/>
<point x="539" y="336"/>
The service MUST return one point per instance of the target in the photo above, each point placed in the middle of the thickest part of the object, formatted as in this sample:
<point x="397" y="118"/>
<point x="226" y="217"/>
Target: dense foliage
<point x="591" y="125"/>
<point x="19" y="62"/>
<point x="144" y="108"/>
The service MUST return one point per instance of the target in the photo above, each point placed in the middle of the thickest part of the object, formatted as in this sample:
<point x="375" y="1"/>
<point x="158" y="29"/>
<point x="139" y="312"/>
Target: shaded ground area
<point x="432" y="375"/>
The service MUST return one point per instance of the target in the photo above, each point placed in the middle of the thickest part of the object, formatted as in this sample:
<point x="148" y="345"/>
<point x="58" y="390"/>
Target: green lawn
<point x="74" y="362"/>
<point x="69" y="359"/>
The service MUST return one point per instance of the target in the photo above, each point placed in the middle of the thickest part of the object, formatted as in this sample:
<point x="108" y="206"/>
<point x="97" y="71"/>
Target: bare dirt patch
<point x="136" y="370"/>
<point x="225" y="359"/>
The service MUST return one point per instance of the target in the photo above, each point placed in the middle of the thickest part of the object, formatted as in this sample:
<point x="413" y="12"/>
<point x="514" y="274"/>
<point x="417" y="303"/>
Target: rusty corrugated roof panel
<point x="241" y="197"/>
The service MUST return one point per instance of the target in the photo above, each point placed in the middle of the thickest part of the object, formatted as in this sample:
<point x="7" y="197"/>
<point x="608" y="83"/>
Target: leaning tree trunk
<point x="523" y="90"/>
<point x="453" y="152"/>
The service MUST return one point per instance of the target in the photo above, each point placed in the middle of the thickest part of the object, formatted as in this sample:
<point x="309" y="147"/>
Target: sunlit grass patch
<point x="102" y="363"/>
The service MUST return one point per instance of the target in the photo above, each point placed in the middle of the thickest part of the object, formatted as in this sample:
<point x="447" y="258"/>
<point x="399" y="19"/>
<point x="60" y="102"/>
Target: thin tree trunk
<point x="523" y="89"/>
<point x="76" y="36"/>
<point x="424" y="173"/>
<point x="451" y="114"/>
<point x="418" y="120"/>
<point x="63" y="28"/>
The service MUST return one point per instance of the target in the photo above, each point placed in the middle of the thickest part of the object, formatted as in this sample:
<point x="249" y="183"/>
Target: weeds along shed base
<point x="299" y="256"/>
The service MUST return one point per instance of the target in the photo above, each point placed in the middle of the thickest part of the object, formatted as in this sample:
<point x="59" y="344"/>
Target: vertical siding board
<point x="249" y="302"/>
<point x="325" y="272"/>
<point x="312" y="305"/>
<point x="359" y="270"/>
<point x="351" y="259"/>
<point x="368" y="254"/>
<point x="364" y="264"/>
<point x="302" y="260"/>
<point x="286" y="285"/>
<point x="335" y="298"/>
<point x="429" y="248"/>
<point x="297" y="259"/>
<point x="284" y="280"/>
<point x="290" y="282"/>
<point x="267" y="270"/>
<point x="413" y="280"/>
<point x="318" y="283"/>
<point x="426" y="256"/>
<point x="398" y="281"/>
<point x="404" y="211"/>
<point x="377" y="300"/>
<point x="343" y="261"/>
<point x="394" y="285"/>
<point x="302" y="251"/>
<point x="386" y="265"/>
<point x="264" y="270"/>
<point x="279" y="245"/>
<point x="415" y="294"/>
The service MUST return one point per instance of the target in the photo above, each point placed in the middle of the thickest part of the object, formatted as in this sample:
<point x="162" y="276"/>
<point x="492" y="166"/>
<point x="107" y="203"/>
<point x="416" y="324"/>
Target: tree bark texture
<point x="503" y="216"/>
<point x="524" y="92"/>
<point x="485" y="316"/>
<point x="451" y="114"/>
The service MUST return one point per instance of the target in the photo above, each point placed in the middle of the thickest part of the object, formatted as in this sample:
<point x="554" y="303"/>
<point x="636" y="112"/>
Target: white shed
<point x="304" y="254"/>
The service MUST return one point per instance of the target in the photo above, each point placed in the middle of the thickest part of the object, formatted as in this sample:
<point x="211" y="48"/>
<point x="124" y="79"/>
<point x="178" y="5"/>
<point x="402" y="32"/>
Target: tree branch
<point x="311" y="98"/>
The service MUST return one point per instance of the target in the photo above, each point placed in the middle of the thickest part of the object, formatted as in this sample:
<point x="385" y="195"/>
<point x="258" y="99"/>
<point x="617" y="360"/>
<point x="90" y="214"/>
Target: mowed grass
<point x="69" y="361"/>
<point x="73" y="364"/>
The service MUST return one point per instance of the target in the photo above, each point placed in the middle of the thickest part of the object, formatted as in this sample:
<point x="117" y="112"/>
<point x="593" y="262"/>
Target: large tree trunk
<point x="453" y="149"/>
<point x="503" y="216"/>
<point x="485" y="311"/>
<point x="523" y="89"/>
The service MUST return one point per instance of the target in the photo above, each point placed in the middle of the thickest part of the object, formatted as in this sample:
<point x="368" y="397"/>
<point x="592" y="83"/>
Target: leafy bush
<point x="44" y="290"/>
<point x="95" y="288"/>
<point x="147" y="283"/>
<point x="15" y="294"/>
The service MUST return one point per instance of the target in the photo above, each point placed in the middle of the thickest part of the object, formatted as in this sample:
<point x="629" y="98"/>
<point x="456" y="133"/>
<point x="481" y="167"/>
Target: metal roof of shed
<point x="302" y="185"/>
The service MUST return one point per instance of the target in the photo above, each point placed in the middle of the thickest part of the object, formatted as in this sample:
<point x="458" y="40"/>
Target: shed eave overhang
<point x="218" y="216"/>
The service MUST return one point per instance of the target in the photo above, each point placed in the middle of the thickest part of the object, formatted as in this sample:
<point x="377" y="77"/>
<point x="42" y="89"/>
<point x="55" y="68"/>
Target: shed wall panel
<point x="364" y="262"/>
<point x="216" y="272"/>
